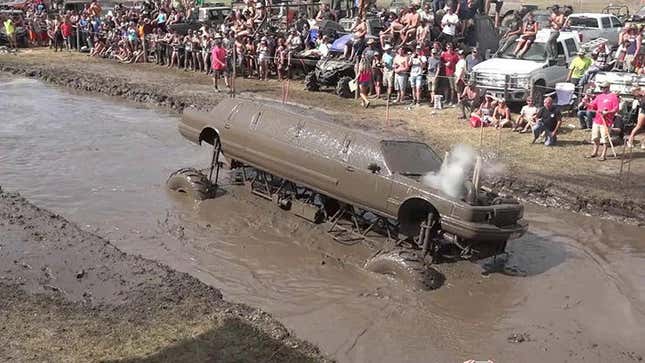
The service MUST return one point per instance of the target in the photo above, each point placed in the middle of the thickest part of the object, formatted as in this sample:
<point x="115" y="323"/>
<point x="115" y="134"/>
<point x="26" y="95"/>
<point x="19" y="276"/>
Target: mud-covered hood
<point x="507" y="66"/>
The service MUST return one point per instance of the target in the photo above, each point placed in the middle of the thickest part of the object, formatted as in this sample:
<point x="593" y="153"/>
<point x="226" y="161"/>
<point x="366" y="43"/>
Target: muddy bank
<point x="69" y="295"/>
<point x="582" y="190"/>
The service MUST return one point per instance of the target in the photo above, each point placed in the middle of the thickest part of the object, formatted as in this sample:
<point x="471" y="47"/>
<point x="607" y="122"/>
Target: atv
<point x="332" y="72"/>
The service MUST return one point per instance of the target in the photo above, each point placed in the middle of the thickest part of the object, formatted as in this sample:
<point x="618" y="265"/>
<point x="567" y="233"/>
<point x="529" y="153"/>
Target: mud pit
<point x="566" y="293"/>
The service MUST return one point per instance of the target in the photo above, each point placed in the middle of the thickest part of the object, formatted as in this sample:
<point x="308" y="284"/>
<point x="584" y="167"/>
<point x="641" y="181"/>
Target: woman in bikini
<point x="529" y="30"/>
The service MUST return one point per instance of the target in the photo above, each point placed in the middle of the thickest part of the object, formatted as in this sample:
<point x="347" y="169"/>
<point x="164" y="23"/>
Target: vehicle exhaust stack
<point x="477" y="175"/>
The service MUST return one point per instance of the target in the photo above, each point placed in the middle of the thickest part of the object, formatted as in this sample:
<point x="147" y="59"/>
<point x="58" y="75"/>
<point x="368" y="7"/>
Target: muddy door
<point x="360" y="182"/>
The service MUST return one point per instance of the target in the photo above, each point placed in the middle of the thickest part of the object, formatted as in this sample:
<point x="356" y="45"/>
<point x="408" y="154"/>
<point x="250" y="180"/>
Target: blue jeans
<point x="549" y="137"/>
<point x="586" y="118"/>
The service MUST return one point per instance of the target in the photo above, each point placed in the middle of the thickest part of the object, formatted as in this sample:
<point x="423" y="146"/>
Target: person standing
<point x="634" y="40"/>
<point x="401" y="69"/>
<point x="556" y="21"/>
<point x="449" y="24"/>
<point x="606" y="105"/>
<point x="640" y="125"/>
<point x="417" y="68"/>
<point x="219" y="64"/>
<point x="66" y="31"/>
<point x="460" y="74"/>
<point x="10" y="30"/>
<point x="578" y="67"/>
<point x="387" y="61"/>
<point x="548" y="120"/>
<point x="434" y="71"/>
<point x="450" y="58"/>
<point x="472" y="60"/>
<point x="363" y="78"/>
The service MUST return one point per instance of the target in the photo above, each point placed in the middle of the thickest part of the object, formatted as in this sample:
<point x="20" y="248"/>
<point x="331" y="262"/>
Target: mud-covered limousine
<point x="351" y="167"/>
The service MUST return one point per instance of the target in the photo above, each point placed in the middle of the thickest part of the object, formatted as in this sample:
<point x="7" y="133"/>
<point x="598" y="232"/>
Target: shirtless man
<point x="557" y="21"/>
<point x="358" y="39"/>
<point x="411" y="23"/>
<point x="395" y="27"/>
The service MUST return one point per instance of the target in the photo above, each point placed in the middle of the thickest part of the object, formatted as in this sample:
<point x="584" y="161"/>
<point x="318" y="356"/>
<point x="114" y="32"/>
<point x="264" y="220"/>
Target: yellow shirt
<point x="9" y="27"/>
<point x="579" y="66"/>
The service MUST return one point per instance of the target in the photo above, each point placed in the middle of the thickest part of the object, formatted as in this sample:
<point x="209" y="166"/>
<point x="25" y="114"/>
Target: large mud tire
<point x="311" y="83"/>
<point x="407" y="266"/>
<point x="537" y="93"/>
<point x="342" y="87"/>
<point x="192" y="182"/>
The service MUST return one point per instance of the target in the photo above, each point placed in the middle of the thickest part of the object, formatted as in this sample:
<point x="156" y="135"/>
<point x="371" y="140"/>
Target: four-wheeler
<point x="332" y="72"/>
<point x="366" y="188"/>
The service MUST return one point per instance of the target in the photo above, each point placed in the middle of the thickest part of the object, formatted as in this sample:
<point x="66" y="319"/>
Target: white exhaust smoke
<point x="457" y="165"/>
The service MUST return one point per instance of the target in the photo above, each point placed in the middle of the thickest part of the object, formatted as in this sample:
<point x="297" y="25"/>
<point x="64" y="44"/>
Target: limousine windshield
<point x="410" y="158"/>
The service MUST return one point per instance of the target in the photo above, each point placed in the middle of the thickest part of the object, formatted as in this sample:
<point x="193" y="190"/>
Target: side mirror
<point x="374" y="168"/>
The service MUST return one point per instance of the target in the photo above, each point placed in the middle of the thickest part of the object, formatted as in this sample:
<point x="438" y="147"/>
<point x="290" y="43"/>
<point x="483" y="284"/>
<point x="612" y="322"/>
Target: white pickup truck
<point x="594" y="25"/>
<point x="514" y="80"/>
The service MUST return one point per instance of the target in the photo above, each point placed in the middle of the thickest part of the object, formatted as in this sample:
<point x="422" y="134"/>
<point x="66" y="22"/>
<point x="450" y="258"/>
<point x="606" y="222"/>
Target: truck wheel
<point x="342" y="87"/>
<point x="537" y="93"/>
<point x="408" y="266"/>
<point x="192" y="182"/>
<point x="311" y="83"/>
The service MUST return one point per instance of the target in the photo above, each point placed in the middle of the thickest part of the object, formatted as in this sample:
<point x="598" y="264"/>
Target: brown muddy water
<point x="573" y="289"/>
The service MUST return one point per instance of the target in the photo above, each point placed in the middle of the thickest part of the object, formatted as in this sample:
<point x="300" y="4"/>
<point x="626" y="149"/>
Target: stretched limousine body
<point x="337" y="168"/>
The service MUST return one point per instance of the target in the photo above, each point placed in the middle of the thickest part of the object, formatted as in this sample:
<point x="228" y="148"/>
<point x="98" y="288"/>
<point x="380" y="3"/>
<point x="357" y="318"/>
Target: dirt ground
<point x="558" y="176"/>
<point x="69" y="295"/>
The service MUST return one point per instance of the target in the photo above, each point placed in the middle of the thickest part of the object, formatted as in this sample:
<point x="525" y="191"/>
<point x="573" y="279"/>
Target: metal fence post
<point x="78" y="38"/>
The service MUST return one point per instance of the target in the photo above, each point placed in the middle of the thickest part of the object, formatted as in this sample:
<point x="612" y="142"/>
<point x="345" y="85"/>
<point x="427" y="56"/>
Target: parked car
<point x="514" y="80"/>
<point x="594" y="25"/>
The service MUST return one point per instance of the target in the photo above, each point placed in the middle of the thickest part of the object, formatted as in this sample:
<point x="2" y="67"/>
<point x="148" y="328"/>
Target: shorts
<point x="364" y="84"/>
<point x="416" y="80"/>
<point x="219" y="72"/>
<point x="451" y="82"/>
<point x="388" y="78"/>
<point x="401" y="82"/>
<point x="433" y="84"/>
<point x="599" y="132"/>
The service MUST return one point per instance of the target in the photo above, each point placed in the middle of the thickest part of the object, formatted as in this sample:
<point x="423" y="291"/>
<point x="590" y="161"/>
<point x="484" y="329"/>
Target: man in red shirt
<point x="606" y="105"/>
<point x="66" y="31"/>
<point x="218" y="64"/>
<point x="450" y="58"/>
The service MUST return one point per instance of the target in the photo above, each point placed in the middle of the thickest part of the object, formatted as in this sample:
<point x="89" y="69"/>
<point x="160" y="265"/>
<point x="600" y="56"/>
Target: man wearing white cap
<point x="387" y="60"/>
<point x="606" y="105"/>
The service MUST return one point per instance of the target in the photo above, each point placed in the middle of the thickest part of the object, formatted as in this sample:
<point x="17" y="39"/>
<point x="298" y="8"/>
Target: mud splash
<point x="558" y="286"/>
